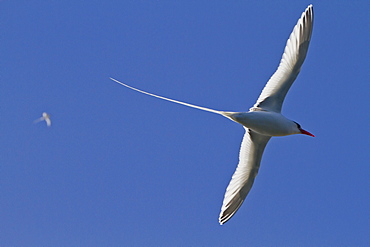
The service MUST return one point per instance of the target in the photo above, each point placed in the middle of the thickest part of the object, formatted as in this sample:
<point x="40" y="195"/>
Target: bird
<point x="264" y="119"/>
<point x="45" y="117"/>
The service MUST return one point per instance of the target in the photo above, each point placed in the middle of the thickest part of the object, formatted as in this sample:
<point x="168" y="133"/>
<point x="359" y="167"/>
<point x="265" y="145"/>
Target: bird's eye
<point x="298" y="125"/>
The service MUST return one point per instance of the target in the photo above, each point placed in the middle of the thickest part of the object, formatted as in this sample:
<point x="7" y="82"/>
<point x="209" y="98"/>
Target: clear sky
<point x="118" y="168"/>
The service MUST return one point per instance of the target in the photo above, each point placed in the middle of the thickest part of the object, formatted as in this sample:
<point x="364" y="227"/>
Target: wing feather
<point x="250" y="155"/>
<point x="274" y="92"/>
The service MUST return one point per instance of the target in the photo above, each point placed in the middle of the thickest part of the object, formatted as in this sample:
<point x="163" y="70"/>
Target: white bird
<point x="45" y="117"/>
<point x="264" y="119"/>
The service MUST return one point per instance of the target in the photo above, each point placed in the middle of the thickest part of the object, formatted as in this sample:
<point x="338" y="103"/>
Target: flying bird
<point x="264" y="119"/>
<point x="45" y="117"/>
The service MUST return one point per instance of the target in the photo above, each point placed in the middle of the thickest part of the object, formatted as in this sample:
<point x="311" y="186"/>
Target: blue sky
<point x="118" y="168"/>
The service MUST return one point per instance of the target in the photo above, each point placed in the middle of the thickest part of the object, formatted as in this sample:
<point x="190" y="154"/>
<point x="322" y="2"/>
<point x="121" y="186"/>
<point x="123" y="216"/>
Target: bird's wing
<point x="274" y="92"/>
<point x="38" y="120"/>
<point x="250" y="156"/>
<point x="48" y="121"/>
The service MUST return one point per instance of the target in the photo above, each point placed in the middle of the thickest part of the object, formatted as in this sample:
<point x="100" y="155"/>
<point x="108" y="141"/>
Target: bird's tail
<point x="223" y="113"/>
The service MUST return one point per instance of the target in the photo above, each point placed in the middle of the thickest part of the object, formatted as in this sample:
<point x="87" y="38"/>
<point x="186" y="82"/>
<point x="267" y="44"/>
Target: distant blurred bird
<point x="45" y="117"/>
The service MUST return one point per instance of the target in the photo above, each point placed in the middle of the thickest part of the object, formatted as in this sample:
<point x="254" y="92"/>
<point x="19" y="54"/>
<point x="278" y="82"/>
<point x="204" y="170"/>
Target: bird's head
<point x="302" y="131"/>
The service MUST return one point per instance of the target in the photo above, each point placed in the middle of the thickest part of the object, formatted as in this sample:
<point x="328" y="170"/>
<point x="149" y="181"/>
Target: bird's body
<point x="264" y="119"/>
<point x="265" y="122"/>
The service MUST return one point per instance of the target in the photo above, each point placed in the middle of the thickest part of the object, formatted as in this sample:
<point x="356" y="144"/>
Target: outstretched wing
<point x="274" y="92"/>
<point x="241" y="183"/>
<point x="39" y="120"/>
<point x="48" y="121"/>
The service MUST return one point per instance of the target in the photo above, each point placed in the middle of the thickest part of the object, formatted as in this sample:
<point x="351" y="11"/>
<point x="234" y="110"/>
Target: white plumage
<point x="264" y="119"/>
<point x="45" y="117"/>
